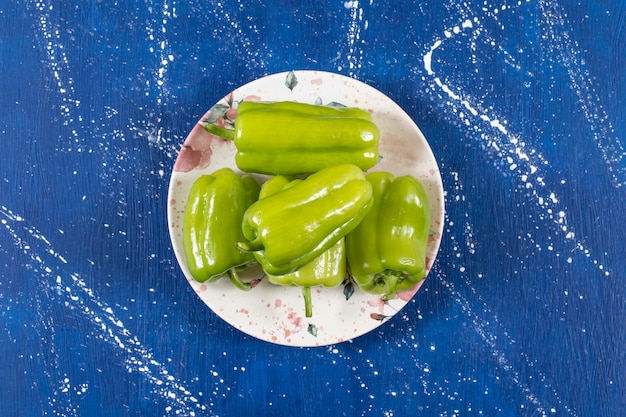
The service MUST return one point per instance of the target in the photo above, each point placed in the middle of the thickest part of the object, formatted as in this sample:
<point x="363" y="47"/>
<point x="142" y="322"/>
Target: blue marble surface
<point x="523" y="104"/>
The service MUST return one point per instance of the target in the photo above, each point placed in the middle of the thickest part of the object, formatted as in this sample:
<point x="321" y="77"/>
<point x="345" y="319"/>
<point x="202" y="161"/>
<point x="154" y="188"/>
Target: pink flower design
<point x="406" y="295"/>
<point x="377" y="302"/>
<point x="252" y="98"/>
<point x="198" y="147"/>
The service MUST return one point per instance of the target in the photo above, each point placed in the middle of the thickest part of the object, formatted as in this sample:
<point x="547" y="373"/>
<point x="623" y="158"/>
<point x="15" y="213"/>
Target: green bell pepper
<point x="291" y="228"/>
<point x="276" y="184"/>
<point x="328" y="269"/>
<point x="212" y="225"/>
<point x="289" y="138"/>
<point x="387" y="251"/>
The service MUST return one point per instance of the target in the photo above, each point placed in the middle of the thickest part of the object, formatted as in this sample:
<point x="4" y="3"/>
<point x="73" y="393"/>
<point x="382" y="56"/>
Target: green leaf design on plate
<point x="219" y="110"/>
<point x="291" y="81"/>
<point x="312" y="329"/>
<point x="348" y="289"/>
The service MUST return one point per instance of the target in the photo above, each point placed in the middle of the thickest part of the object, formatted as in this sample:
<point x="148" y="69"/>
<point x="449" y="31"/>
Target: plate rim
<point x="174" y="178"/>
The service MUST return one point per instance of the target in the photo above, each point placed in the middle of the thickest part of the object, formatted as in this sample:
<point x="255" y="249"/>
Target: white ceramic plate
<point x="276" y="313"/>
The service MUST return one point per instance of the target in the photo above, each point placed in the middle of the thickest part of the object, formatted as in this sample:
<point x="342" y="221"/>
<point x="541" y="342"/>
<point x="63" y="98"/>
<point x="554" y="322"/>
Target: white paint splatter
<point x="465" y="102"/>
<point x="49" y="35"/>
<point x="105" y="325"/>
<point x="569" y="55"/>
<point x="528" y="164"/>
<point x="159" y="37"/>
<point x="529" y="167"/>
<point x="486" y="323"/>
<point x="354" y="54"/>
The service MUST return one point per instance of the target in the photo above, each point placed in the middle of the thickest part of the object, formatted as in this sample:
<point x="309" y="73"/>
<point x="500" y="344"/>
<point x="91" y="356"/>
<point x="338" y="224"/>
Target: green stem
<point x="308" y="307"/>
<point x="236" y="280"/>
<point x="391" y="280"/>
<point x="228" y="134"/>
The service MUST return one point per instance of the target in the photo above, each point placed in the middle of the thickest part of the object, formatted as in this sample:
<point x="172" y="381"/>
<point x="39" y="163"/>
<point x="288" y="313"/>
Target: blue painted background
<point x="523" y="104"/>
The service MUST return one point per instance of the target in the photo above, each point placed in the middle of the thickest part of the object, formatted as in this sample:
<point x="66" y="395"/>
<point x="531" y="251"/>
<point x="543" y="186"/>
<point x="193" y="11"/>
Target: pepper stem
<point x="237" y="281"/>
<point x="308" y="306"/>
<point x="228" y="134"/>
<point x="391" y="280"/>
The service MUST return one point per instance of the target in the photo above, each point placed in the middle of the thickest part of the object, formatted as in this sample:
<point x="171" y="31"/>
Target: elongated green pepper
<point x="276" y="184"/>
<point x="289" y="229"/>
<point x="212" y="225"/>
<point x="328" y="269"/>
<point x="289" y="138"/>
<point x="387" y="251"/>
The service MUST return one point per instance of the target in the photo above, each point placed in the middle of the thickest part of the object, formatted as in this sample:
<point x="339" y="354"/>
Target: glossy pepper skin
<point x="387" y="251"/>
<point x="212" y="225"/>
<point x="289" y="138"/>
<point x="292" y="227"/>
<point x="328" y="269"/>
